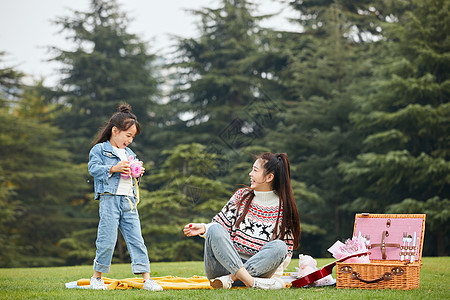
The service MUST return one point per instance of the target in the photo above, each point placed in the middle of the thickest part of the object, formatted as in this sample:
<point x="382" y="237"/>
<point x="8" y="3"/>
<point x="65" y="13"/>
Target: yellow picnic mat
<point x="167" y="283"/>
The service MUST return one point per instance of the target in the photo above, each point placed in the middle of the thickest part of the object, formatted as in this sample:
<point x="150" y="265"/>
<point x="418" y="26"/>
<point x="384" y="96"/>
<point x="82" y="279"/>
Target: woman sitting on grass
<point x="252" y="238"/>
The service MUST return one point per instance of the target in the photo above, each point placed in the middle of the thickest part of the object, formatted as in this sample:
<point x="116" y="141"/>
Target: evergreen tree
<point x="41" y="187"/>
<point x="218" y="74"/>
<point x="180" y="192"/>
<point x="108" y="66"/>
<point x="219" y="98"/>
<point x="322" y="72"/>
<point x="404" y="164"/>
<point x="10" y="81"/>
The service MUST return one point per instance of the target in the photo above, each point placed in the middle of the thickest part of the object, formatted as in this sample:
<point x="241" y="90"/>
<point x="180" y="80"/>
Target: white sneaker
<point x="268" y="283"/>
<point x="152" y="285"/>
<point x="98" y="284"/>
<point x="222" y="282"/>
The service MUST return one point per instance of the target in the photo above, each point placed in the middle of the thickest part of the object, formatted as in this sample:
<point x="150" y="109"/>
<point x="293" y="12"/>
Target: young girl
<point x="108" y="159"/>
<point x="252" y="238"/>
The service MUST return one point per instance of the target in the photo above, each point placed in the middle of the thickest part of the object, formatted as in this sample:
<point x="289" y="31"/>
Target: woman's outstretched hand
<point x="193" y="229"/>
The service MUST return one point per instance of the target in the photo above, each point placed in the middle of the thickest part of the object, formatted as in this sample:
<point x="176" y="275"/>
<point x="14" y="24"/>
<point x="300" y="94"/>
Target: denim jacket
<point x="101" y="158"/>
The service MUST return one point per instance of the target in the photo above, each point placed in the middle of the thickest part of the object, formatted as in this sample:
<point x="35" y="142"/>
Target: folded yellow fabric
<point x="167" y="283"/>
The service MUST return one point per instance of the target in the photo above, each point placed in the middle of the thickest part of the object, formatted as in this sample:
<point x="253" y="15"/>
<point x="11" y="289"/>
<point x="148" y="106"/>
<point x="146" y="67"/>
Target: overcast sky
<point x="27" y="32"/>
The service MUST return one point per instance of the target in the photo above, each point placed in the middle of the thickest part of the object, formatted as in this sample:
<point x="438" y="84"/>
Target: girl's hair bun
<point x="124" y="108"/>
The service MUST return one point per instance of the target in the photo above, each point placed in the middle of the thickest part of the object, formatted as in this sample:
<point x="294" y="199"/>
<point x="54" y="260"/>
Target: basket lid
<point x="392" y="236"/>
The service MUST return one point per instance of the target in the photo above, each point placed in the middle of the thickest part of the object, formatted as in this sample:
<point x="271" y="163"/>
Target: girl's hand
<point x="143" y="169"/>
<point x="122" y="166"/>
<point x="193" y="229"/>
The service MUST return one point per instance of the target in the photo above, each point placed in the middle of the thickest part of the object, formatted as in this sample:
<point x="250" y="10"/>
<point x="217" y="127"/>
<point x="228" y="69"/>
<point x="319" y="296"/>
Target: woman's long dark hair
<point x="278" y="165"/>
<point x="122" y="119"/>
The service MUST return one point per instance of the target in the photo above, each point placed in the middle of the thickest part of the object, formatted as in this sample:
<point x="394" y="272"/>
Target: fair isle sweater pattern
<point x="257" y="227"/>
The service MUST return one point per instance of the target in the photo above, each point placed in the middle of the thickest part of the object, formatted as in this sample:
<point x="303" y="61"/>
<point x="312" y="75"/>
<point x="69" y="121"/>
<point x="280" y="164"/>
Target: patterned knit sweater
<point x="258" y="225"/>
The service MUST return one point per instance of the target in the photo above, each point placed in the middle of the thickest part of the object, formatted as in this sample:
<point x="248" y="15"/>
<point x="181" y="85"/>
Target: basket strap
<point x="383" y="245"/>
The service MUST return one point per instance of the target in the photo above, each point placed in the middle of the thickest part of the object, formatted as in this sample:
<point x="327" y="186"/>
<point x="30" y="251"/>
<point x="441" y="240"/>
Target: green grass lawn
<point x="48" y="283"/>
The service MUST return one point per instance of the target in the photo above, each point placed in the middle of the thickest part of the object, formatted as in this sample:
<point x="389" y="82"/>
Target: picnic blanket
<point x="167" y="283"/>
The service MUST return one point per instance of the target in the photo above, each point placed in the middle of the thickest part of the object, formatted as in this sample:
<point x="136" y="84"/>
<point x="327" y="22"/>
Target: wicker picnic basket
<point x="395" y="257"/>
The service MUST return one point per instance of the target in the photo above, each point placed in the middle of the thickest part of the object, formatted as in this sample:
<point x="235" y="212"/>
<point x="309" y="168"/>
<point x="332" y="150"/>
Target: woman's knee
<point x="215" y="230"/>
<point x="280" y="247"/>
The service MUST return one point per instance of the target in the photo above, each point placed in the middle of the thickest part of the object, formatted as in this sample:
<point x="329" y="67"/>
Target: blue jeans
<point x="221" y="258"/>
<point x="115" y="212"/>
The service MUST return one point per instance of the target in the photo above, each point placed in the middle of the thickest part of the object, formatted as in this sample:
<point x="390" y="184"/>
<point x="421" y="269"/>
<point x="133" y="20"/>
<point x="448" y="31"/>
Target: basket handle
<point x="386" y="276"/>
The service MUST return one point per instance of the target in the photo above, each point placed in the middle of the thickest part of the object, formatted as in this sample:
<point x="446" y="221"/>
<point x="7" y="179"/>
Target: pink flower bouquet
<point x="352" y="246"/>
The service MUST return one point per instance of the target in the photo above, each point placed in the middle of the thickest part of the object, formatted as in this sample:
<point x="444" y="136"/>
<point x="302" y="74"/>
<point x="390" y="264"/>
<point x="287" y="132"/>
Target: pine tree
<point x="181" y="191"/>
<point x="220" y="74"/>
<point x="40" y="187"/>
<point x="404" y="164"/>
<point x="323" y="71"/>
<point x="10" y="81"/>
<point x="108" y="66"/>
